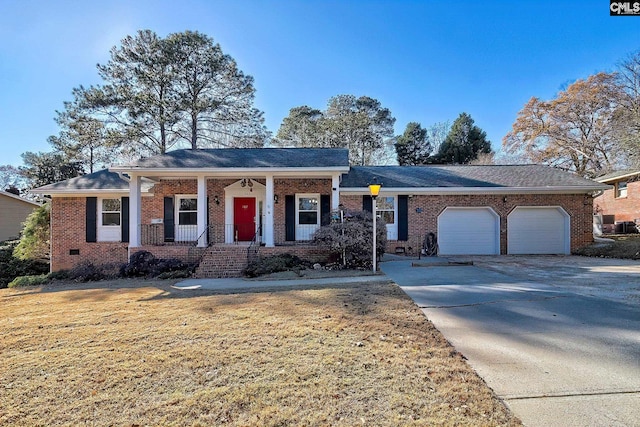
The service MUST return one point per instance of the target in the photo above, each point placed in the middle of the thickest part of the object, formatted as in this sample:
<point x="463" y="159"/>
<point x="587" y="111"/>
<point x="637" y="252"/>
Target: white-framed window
<point x="109" y="219"/>
<point x="387" y="210"/>
<point x="186" y="218"/>
<point x="621" y="189"/>
<point x="307" y="215"/>
<point x="188" y="210"/>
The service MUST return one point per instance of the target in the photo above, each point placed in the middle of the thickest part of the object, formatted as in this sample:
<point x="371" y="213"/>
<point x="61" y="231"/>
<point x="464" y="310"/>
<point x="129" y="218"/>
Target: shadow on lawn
<point x="358" y="298"/>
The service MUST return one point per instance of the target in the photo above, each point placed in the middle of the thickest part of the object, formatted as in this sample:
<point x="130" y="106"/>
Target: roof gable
<point x="618" y="175"/>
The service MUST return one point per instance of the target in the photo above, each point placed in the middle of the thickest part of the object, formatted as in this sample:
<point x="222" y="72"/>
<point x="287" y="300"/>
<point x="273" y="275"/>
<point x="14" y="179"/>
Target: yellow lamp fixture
<point x="374" y="188"/>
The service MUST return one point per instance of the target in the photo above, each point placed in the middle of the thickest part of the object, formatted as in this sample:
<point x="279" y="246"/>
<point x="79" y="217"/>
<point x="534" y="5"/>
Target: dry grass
<point x="143" y="353"/>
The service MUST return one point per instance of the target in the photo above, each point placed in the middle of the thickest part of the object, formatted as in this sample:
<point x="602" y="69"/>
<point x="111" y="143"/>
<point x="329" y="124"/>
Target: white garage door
<point x="469" y="231"/>
<point x="538" y="230"/>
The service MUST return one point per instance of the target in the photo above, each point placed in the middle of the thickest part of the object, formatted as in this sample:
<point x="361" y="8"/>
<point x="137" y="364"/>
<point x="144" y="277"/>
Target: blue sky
<point x="427" y="61"/>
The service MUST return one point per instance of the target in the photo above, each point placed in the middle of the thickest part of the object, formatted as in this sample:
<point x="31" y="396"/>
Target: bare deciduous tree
<point x="574" y="131"/>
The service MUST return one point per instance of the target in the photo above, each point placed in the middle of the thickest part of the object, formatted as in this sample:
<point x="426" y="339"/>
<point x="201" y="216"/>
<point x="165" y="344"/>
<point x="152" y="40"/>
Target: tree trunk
<point x="194" y="131"/>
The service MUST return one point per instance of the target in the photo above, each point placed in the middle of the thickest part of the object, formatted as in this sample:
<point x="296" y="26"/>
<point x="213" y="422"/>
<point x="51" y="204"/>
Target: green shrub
<point x="34" y="240"/>
<point x="59" y="275"/>
<point x="275" y="264"/>
<point x="12" y="267"/>
<point x="20" y="281"/>
<point x="177" y="274"/>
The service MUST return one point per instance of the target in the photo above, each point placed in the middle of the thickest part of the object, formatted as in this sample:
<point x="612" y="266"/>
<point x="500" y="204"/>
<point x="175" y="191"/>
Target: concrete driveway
<point x="558" y="338"/>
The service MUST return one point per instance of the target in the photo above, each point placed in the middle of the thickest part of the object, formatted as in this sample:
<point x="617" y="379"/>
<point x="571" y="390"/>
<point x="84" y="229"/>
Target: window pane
<point x="387" y="216"/>
<point x="622" y="189"/>
<point x="188" y="218"/>
<point x="110" y="219"/>
<point x="307" y="204"/>
<point x="188" y="204"/>
<point x="111" y="205"/>
<point x="307" y="218"/>
<point x="385" y="203"/>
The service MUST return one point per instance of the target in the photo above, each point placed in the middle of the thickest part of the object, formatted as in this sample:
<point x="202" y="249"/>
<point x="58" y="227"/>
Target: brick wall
<point x="577" y="206"/>
<point x="68" y="218"/>
<point x="284" y="187"/>
<point x="68" y="223"/>
<point x="624" y="208"/>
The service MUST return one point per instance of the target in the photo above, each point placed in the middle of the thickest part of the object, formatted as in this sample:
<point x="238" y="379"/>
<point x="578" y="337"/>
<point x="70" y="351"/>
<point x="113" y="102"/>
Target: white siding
<point x="13" y="213"/>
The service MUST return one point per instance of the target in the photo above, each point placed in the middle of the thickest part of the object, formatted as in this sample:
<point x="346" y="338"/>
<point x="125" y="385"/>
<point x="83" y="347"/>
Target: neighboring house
<point x="14" y="210"/>
<point x="619" y="205"/>
<point x="216" y="206"/>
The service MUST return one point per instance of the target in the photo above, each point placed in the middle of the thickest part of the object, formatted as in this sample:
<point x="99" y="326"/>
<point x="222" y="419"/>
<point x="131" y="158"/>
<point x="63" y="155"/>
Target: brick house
<point x="218" y="205"/>
<point x="618" y="207"/>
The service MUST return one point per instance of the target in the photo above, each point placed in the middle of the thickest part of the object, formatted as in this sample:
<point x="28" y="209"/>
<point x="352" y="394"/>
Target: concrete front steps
<point x="222" y="261"/>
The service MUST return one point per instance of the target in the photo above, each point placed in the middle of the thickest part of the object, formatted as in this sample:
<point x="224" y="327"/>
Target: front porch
<point x="220" y="202"/>
<point x="221" y="223"/>
<point x="212" y="210"/>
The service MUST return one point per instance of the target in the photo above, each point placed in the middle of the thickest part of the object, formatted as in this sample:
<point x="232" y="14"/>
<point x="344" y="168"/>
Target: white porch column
<point x="135" y="212"/>
<point x="202" y="212"/>
<point x="268" y="217"/>
<point x="335" y="192"/>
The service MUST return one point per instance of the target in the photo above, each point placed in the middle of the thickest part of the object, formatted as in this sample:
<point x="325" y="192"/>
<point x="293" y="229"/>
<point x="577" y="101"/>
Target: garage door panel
<point x="468" y="231"/>
<point x="537" y="230"/>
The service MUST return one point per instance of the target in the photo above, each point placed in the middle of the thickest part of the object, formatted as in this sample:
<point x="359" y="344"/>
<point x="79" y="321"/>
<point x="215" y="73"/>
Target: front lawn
<point x="143" y="353"/>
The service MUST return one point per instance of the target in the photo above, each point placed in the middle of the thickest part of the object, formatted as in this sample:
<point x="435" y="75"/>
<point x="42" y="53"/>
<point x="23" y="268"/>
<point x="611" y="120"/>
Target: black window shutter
<point x="403" y="218"/>
<point x="169" y="220"/>
<point x="325" y="209"/>
<point x="92" y="219"/>
<point x="290" y="218"/>
<point x="124" y="222"/>
<point x="367" y="204"/>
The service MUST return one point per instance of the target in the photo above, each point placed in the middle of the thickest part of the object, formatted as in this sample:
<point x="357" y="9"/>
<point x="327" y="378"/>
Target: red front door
<point x="244" y="214"/>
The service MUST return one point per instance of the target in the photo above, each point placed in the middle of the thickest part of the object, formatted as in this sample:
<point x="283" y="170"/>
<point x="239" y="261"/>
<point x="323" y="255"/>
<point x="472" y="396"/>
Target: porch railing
<point x="154" y="234"/>
<point x="254" y="246"/>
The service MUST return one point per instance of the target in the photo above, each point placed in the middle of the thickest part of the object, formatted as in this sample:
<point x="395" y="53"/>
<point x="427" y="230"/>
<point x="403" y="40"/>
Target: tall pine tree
<point x="464" y="142"/>
<point x="413" y="147"/>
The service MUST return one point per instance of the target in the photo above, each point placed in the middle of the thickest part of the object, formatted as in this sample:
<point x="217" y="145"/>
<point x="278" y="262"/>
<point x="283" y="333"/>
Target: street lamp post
<point x="374" y="189"/>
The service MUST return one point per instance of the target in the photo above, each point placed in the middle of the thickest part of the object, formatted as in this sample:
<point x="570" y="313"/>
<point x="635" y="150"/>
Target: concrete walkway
<point x="556" y="355"/>
<point x="244" y="284"/>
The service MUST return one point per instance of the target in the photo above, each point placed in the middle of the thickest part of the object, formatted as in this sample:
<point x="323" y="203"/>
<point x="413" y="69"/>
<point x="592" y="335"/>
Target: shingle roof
<point x="618" y="174"/>
<point x="247" y="158"/>
<point x="18" y="198"/>
<point x="103" y="180"/>
<point x="512" y="176"/>
<point x="429" y="177"/>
